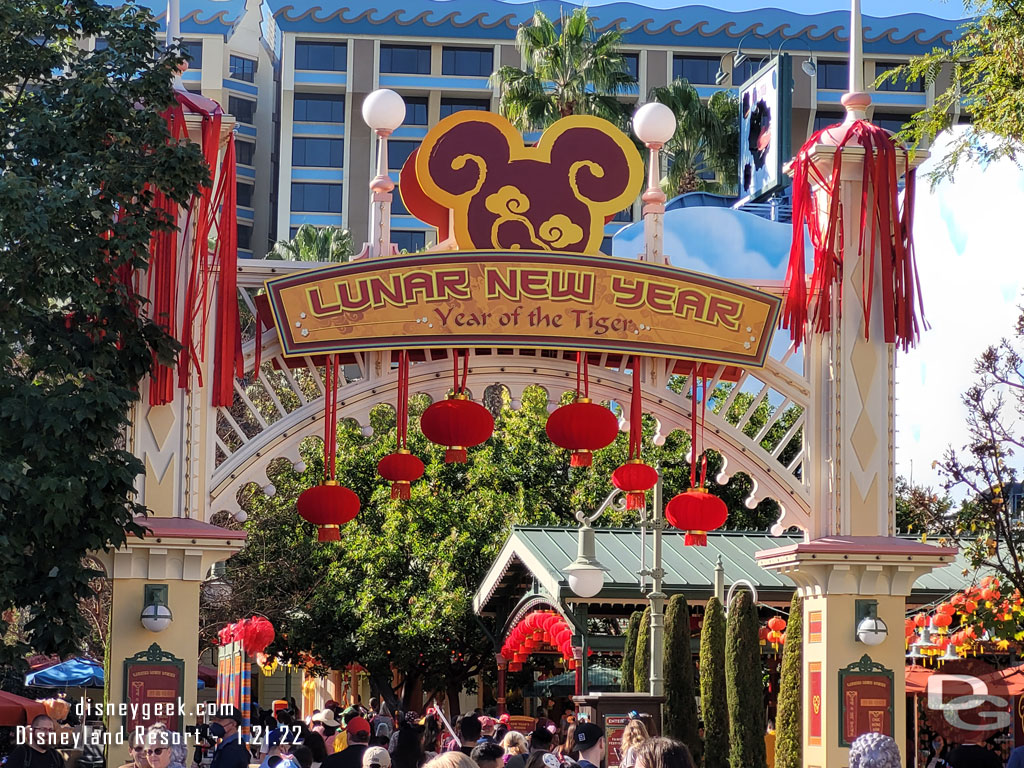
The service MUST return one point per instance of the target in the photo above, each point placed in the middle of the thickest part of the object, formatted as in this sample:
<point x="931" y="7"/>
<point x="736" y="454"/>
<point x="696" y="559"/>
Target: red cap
<point x="358" y="725"/>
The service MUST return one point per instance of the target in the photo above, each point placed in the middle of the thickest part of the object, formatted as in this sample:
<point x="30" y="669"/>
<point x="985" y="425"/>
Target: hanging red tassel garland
<point x="881" y="224"/>
<point x="330" y="505"/>
<point x="582" y="426"/>
<point x="401" y="467"/>
<point x="457" y="422"/>
<point x="634" y="477"/>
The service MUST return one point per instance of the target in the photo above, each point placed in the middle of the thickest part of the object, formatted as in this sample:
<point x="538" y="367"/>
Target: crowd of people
<point x="355" y="737"/>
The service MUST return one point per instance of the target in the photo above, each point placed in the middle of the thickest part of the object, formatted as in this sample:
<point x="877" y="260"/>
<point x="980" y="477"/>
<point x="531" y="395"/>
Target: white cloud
<point x="967" y="234"/>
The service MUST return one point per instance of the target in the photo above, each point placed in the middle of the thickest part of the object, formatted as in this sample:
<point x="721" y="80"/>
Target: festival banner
<point x="533" y="300"/>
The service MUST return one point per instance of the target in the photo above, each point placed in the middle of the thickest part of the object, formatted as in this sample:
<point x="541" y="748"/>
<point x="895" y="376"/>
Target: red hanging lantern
<point x="329" y="505"/>
<point x="696" y="511"/>
<point x="401" y="467"/>
<point x="634" y="477"/>
<point x="776" y="623"/>
<point x="582" y="426"/>
<point x="457" y="422"/>
<point x="881" y="222"/>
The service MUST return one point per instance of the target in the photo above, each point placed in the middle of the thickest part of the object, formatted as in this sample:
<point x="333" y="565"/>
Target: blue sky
<point x="946" y="9"/>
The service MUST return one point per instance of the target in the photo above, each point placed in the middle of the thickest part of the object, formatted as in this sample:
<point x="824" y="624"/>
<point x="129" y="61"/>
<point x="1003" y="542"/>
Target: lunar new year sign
<point x="544" y="300"/>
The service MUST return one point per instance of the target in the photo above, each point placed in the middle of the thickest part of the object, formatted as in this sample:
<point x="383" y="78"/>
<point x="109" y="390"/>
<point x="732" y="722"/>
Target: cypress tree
<point x="680" y="701"/>
<point x="789" y="720"/>
<point x="642" y="662"/>
<point x="744" y="688"/>
<point x="629" y="653"/>
<point x="712" y="686"/>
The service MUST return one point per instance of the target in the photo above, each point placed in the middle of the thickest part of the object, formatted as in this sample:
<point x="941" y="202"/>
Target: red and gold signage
<point x="866" y="700"/>
<point x="539" y="300"/>
<point x="814" y="627"/>
<point x="522" y="723"/>
<point x="154" y="687"/>
<point x="814" y="702"/>
<point x="614" y="727"/>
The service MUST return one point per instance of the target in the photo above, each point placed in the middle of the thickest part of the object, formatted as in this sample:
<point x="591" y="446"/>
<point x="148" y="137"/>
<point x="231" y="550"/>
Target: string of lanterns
<point x="458" y="423"/>
<point x="539" y="632"/>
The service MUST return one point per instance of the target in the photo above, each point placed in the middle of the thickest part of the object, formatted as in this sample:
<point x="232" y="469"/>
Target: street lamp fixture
<point x="871" y="630"/>
<point x="808" y="65"/>
<point x="156" y="616"/>
<point x="585" y="573"/>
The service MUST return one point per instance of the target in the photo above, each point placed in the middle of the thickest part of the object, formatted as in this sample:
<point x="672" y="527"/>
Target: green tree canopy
<point x="83" y="143"/>
<point x="982" y="71"/>
<point x="789" y="722"/>
<point x="570" y="70"/>
<point x="713" y="701"/>
<point x="328" y="244"/>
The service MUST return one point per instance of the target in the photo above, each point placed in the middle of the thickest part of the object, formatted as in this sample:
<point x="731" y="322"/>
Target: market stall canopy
<point x="17" y="710"/>
<point x="84" y="673"/>
<point x="1010" y="679"/>
<point x="537" y="556"/>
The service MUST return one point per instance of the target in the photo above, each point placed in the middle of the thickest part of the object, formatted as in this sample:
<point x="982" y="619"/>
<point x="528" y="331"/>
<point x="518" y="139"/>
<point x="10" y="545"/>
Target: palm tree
<point x="706" y="139"/>
<point x="315" y="244"/>
<point x="571" y="71"/>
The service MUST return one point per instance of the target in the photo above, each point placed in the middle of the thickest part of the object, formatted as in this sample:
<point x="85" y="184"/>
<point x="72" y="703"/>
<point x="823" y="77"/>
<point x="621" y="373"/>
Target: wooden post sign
<point x="154" y="686"/>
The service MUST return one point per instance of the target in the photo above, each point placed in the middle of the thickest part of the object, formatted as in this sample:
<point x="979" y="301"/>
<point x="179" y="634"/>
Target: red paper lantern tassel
<point x="455" y="455"/>
<point x="636" y="500"/>
<point x="328" y="533"/>
<point x="696" y="539"/>
<point x="581" y="458"/>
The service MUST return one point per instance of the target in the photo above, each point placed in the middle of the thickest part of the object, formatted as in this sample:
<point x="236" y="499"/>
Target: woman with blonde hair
<point x="514" y="743"/>
<point x="454" y="759"/>
<point x="633" y="736"/>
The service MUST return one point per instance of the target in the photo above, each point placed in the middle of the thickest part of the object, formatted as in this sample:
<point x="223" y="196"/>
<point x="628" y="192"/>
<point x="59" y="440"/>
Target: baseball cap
<point x="376" y="757"/>
<point x="357" y="724"/>
<point x="587" y="735"/>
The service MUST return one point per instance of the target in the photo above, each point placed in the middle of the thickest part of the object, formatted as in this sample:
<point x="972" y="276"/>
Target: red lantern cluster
<point x="254" y="633"/>
<point x="543" y="631"/>
<point x="582" y="426"/>
<point x="457" y="422"/>
<point x="775" y="633"/>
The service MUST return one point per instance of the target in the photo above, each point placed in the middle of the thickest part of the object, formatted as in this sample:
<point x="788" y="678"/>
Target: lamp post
<point x="383" y="111"/>
<point x="654" y="124"/>
<point x="585" y="574"/>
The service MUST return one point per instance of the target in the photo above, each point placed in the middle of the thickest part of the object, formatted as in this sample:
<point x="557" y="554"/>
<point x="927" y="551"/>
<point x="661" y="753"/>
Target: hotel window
<point x="398" y="153"/>
<point x="244" y="237"/>
<point x="245" y="151"/>
<point x="624" y="215"/>
<point x="891" y="122"/>
<point x="467" y="62"/>
<point x="318" y="153"/>
<point x="632" y="62"/>
<point x="242" y="68"/>
<point x="825" y="119"/>
<point x="749" y="68"/>
<point x="243" y="109"/>
<point x="316" y="198"/>
<point x="699" y="70"/>
<point x="416" y="110"/>
<point x="397" y="204"/>
<point x="833" y="75"/>
<point x="409" y="240"/>
<point x="330" y="57"/>
<point x="451" y="106"/>
<point x="243" y="194"/>
<point x="319" y="108"/>
<point x="900" y="83"/>
<point x="194" y="49"/>
<point x="606" y="245"/>
<point x="405" y="59"/>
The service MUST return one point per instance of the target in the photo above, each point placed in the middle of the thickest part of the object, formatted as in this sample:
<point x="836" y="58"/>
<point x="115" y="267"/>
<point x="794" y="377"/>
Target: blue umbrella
<point x="85" y="673"/>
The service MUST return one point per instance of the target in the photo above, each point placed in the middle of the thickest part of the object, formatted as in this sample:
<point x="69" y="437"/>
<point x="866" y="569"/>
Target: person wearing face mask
<point x="229" y="752"/>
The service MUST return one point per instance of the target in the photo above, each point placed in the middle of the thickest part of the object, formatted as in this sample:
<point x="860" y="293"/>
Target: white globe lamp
<point x="384" y="110"/>
<point x="585" y="574"/>
<point x="654" y="123"/>
<point x="872" y="631"/>
<point x="156" y="618"/>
